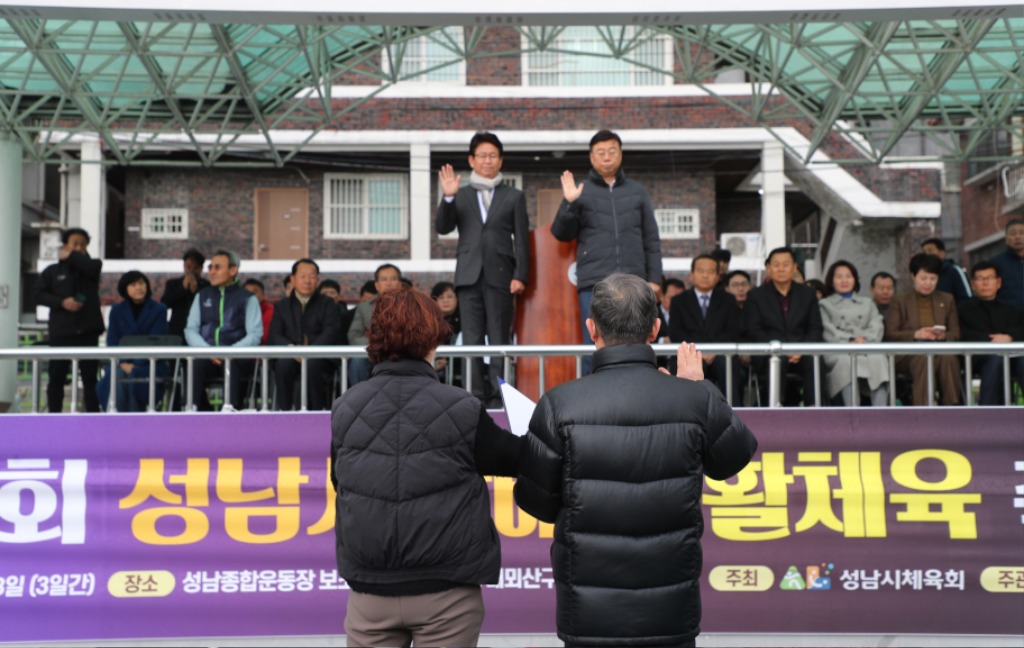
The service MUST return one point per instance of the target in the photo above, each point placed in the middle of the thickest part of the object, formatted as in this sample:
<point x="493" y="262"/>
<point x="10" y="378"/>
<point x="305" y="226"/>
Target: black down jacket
<point x="615" y="228"/>
<point x="413" y="512"/>
<point x="616" y="460"/>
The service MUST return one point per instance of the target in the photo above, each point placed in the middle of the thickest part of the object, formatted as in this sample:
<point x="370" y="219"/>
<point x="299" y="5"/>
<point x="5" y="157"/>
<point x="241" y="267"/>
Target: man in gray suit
<point x="493" y="256"/>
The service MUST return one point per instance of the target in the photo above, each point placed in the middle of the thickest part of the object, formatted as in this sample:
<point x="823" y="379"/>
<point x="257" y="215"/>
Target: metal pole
<point x="264" y="387"/>
<point x="506" y="368"/>
<point x="344" y="375"/>
<point x="112" y="398"/>
<point x="35" y="386"/>
<point x="469" y="373"/>
<point x="728" y="378"/>
<point x="855" y="387"/>
<point x="930" y="359"/>
<point x="892" y="379"/>
<point x="74" y="385"/>
<point x="968" y="377"/>
<point x="152" y="385"/>
<point x="1007" y="385"/>
<point x="302" y="384"/>
<point x="817" y="380"/>
<point x="227" y="383"/>
<point x="774" y="375"/>
<point x="579" y="366"/>
<point x="189" y="364"/>
<point x="542" y="387"/>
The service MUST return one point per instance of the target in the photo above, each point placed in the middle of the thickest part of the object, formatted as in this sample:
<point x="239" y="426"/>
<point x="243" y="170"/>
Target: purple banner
<point x="864" y="521"/>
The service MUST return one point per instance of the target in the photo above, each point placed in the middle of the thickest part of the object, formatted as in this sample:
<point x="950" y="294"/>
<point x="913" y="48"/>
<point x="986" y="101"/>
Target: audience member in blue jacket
<point x="138" y="314"/>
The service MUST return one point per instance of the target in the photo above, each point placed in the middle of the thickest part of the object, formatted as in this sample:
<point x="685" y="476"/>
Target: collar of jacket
<point x="616" y="355"/>
<point x="405" y="367"/>
<point x="620" y="177"/>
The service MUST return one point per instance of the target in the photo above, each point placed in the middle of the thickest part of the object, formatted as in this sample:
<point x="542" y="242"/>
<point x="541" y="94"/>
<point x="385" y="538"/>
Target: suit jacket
<point x="902" y="319"/>
<point x="686" y="323"/>
<point x="499" y="248"/>
<point x="764" y="315"/>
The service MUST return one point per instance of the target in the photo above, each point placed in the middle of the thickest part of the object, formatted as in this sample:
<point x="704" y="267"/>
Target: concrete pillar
<point x="10" y="261"/>
<point x="93" y="194"/>
<point x="420" y="208"/>
<point x="773" y="196"/>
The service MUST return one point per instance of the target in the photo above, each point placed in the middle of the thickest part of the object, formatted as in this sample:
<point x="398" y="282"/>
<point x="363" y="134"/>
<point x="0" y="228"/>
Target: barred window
<point x="165" y="223"/>
<point x="678" y="223"/>
<point x="434" y="58"/>
<point x="560" y="65"/>
<point x="366" y="206"/>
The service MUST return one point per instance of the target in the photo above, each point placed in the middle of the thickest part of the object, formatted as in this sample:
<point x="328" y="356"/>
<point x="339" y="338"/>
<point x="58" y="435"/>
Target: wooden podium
<point x="548" y="312"/>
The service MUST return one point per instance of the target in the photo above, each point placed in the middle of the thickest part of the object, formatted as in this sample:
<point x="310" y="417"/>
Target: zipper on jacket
<point x="615" y="220"/>
<point x="216" y="331"/>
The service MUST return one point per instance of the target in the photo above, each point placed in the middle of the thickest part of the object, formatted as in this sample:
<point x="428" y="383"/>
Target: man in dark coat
<point x="985" y="319"/>
<point x="492" y="265"/>
<point x="617" y="461"/>
<point x="786" y="311"/>
<point x="304" y="318"/>
<point x="70" y="288"/>
<point x="179" y="292"/>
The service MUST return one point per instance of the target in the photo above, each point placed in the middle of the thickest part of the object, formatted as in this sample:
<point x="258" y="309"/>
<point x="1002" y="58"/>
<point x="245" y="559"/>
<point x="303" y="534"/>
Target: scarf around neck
<point x="484" y="186"/>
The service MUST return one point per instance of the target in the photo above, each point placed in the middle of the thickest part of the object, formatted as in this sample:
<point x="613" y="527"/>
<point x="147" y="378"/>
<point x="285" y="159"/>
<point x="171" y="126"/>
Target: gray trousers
<point x="449" y="618"/>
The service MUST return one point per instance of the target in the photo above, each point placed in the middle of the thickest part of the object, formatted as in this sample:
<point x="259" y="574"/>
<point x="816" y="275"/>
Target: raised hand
<point x="690" y="365"/>
<point x="570" y="189"/>
<point x="449" y="181"/>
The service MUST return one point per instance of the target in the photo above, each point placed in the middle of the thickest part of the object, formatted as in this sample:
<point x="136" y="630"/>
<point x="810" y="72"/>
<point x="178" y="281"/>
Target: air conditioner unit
<point x="744" y="245"/>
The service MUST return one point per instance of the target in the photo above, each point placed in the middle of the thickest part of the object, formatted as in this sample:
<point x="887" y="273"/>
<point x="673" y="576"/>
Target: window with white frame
<point x="435" y="58"/>
<point x="579" y="56"/>
<point x="165" y="223"/>
<point x="678" y="223"/>
<point x="362" y="206"/>
<point x="514" y="180"/>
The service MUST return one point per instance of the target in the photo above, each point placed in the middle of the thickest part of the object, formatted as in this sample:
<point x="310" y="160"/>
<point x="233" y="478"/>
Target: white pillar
<point x="773" y="197"/>
<point x="10" y="261"/>
<point x="420" y="209"/>
<point x="93" y="193"/>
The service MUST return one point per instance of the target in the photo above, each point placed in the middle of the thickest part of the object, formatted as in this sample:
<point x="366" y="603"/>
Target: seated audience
<point x="223" y="314"/>
<point x="737" y="284"/>
<point x="819" y="288"/>
<point x="306" y="318"/>
<point x="926" y="315"/>
<point x="723" y="257"/>
<point x="332" y="289"/>
<point x="953" y="279"/>
<point x="447" y="300"/>
<point x="706" y="313"/>
<point x="1010" y="264"/>
<point x="848" y="317"/>
<point x="985" y="319"/>
<point x="368" y="291"/>
<point x="386" y="278"/>
<point x="179" y="292"/>
<point x="670" y="287"/>
<point x="883" y="287"/>
<point x="786" y="311"/>
<point x="137" y="314"/>
<point x="256" y="287"/>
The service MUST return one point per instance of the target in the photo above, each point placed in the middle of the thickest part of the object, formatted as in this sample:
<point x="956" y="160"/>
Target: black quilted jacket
<point x="413" y="512"/>
<point x="617" y="460"/>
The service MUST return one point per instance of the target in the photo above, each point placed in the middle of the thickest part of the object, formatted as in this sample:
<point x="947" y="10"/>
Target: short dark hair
<point x="1014" y="221"/>
<point x="195" y="255"/>
<point x="329" y="283"/>
<point x="385" y="266"/>
<point x="405" y="324"/>
<point x="485" y="137"/>
<point x="624" y="309"/>
<point x="368" y="287"/>
<point x="984" y="265"/>
<point x="255" y="282"/>
<point x="287" y="281"/>
<point x="737" y="273"/>
<point x="66" y="235"/>
<point x="233" y="261"/>
<point x="831" y="275"/>
<point x="882" y="275"/>
<point x="440" y="287"/>
<point x="693" y="264"/>
<point x="295" y="266"/>
<point x="817" y="286"/>
<point x="721" y="254"/>
<point x="927" y="262"/>
<point x="672" y="281"/>
<point x="781" y="250"/>
<point x="128" y="279"/>
<point x="937" y="242"/>
<point x="603" y="136"/>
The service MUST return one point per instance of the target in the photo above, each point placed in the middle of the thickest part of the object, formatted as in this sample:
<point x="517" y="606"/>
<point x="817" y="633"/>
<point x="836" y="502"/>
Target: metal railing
<point x="775" y="351"/>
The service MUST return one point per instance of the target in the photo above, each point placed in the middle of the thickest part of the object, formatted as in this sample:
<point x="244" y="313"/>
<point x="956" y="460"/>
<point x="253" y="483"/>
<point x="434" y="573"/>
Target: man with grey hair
<point x="616" y="460"/>
<point x="223" y="314"/>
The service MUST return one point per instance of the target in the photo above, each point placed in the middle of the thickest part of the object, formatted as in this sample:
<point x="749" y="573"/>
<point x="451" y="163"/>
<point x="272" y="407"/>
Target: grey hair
<point x="624" y="309"/>
<point x="233" y="261"/>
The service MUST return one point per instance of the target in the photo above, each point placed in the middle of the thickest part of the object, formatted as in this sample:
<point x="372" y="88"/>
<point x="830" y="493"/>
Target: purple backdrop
<point x="859" y="521"/>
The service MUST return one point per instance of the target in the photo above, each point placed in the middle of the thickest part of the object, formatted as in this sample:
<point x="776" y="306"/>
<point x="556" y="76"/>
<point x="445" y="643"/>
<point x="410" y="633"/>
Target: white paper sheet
<point x="518" y="407"/>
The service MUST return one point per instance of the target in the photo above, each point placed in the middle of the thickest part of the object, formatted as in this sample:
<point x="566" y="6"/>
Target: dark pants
<point x="288" y="377"/>
<point x="797" y="381"/>
<point x="486" y="310"/>
<point x="88" y="369"/>
<point x="990" y="368"/>
<point x="241" y="370"/>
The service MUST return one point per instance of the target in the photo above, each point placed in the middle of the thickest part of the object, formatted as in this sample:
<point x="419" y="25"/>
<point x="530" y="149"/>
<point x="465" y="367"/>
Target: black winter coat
<point x="413" y="512"/>
<point x="77" y="276"/>
<point x="319" y="324"/>
<point x="617" y="461"/>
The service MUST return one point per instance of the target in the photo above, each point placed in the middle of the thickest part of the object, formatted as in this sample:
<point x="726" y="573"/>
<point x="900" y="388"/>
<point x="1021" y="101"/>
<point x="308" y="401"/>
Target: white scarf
<point x="484" y="186"/>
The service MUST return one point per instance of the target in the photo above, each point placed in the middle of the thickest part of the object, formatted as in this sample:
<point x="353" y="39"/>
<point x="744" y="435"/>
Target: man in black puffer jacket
<point x="617" y="461"/>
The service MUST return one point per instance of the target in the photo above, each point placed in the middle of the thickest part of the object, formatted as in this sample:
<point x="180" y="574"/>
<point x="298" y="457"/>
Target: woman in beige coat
<point x="849" y="317"/>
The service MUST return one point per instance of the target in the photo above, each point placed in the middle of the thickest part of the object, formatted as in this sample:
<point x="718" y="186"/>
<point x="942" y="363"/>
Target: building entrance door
<point x="282" y="223"/>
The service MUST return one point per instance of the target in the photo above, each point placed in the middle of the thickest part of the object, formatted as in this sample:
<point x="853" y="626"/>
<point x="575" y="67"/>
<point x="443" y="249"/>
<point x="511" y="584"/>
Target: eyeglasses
<point x="486" y="156"/>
